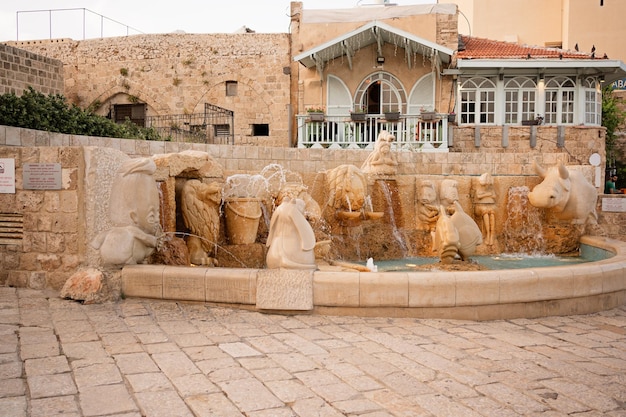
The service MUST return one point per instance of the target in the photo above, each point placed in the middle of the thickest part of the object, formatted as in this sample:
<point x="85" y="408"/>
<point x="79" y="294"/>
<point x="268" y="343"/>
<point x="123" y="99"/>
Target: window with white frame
<point x="560" y="96"/>
<point x="478" y="101"/>
<point x="593" y="101"/>
<point x="380" y="92"/>
<point x="520" y="99"/>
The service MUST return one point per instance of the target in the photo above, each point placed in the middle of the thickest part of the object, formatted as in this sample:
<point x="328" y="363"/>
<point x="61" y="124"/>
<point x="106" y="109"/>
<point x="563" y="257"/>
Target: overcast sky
<point x="151" y="16"/>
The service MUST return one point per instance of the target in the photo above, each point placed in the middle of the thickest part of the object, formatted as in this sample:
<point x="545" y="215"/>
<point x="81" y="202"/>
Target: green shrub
<point x="34" y="110"/>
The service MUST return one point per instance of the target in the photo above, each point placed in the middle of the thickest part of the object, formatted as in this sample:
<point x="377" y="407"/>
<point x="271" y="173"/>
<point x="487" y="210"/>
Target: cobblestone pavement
<point x="154" y="358"/>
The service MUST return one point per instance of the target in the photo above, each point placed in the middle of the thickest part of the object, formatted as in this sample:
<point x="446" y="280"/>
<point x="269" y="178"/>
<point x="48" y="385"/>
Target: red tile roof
<point x="480" y="48"/>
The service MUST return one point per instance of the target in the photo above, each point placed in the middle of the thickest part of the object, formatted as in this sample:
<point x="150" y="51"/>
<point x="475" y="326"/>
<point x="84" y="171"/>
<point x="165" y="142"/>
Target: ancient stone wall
<point x="176" y="74"/>
<point x="612" y="223"/>
<point x="524" y="143"/>
<point x="52" y="241"/>
<point x="20" y="69"/>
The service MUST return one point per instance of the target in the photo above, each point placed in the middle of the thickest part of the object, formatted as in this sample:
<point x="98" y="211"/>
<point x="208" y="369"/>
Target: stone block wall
<point x="176" y="74"/>
<point x="252" y="159"/>
<point x="20" y="69"/>
<point x="578" y="142"/>
<point x="52" y="238"/>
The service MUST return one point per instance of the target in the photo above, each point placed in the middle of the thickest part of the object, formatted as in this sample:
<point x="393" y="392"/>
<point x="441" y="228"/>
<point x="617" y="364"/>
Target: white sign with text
<point x="7" y="175"/>
<point x="616" y="205"/>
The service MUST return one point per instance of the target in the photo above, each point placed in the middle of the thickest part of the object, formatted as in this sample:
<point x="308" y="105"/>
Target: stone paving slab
<point x="147" y="358"/>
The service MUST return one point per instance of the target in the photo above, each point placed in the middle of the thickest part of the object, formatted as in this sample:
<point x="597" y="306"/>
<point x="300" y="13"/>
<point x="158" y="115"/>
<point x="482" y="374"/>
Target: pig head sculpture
<point x="568" y="194"/>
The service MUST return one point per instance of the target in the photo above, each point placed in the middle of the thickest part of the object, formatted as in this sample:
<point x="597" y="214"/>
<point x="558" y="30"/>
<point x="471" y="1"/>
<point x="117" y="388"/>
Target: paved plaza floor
<point x="150" y="358"/>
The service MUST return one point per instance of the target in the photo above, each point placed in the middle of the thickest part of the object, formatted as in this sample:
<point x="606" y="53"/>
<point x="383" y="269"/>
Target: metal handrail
<point x="214" y="126"/>
<point x="412" y="132"/>
<point x="65" y="26"/>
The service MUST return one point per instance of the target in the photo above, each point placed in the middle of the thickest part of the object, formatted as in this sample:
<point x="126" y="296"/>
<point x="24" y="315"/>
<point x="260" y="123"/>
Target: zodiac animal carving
<point x="200" y="204"/>
<point x="566" y="193"/>
<point x="291" y="240"/>
<point x="381" y="161"/>
<point x="485" y="206"/>
<point x="134" y="213"/>
<point x="456" y="234"/>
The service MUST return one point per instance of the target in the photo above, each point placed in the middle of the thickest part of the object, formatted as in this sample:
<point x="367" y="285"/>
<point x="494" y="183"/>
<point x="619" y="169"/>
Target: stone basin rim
<point x="467" y="295"/>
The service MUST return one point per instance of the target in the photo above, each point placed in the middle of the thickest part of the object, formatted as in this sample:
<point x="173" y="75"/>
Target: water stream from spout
<point x="348" y="203"/>
<point x="392" y="218"/>
<point x="368" y="204"/>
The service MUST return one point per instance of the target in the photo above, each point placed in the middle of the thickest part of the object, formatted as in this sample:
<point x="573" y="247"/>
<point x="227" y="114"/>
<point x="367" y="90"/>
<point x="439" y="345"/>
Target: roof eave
<point x="611" y="69"/>
<point x="308" y="58"/>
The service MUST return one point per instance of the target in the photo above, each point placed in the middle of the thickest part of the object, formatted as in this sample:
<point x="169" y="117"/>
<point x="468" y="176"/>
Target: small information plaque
<point x="616" y="205"/>
<point x="42" y="176"/>
<point x="7" y="175"/>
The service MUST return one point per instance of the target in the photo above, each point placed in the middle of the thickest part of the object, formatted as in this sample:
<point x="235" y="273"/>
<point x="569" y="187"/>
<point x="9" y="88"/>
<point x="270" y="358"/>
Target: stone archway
<point x="132" y="94"/>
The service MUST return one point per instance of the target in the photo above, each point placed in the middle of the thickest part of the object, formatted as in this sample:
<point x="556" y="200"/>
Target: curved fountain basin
<point x="470" y="295"/>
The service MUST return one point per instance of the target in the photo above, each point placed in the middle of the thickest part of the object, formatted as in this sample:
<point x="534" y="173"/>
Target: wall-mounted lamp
<point x="501" y="77"/>
<point x="542" y="76"/>
<point x="380" y="60"/>
<point x="602" y="78"/>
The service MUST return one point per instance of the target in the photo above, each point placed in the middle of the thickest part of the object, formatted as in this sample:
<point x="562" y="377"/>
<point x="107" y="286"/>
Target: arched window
<point x="339" y="97"/>
<point x="478" y="101"/>
<point x="519" y="100"/>
<point x="379" y="93"/>
<point x="593" y="101"/>
<point x="422" y="95"/>
<point x="560" y="100"/>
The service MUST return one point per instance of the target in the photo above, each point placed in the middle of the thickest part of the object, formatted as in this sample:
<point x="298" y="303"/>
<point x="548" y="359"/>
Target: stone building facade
<point x="20" y="69"/>
<point x="176" y="74"/>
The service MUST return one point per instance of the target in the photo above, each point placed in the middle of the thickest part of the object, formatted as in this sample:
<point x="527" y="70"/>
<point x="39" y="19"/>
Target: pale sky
<point x="152" y="16"/>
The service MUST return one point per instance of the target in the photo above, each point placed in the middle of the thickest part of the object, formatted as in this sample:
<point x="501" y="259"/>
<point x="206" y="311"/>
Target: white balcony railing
<point x="411" y="132"/>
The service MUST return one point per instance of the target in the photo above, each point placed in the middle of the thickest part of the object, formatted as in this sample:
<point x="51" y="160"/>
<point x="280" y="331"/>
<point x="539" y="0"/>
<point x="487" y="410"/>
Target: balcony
<point x="412" y="132"/>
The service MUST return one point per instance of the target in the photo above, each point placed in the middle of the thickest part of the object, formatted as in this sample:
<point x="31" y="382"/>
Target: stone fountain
<point x="311" y="235"/>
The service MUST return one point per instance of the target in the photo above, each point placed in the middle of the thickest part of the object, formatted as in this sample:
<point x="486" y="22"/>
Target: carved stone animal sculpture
<point x="446" y="238"/>
<point x="291" y="240"/>
<point x="566" y="193"/>
<point x="200" y="208"/>
<point x="470" y="235"/>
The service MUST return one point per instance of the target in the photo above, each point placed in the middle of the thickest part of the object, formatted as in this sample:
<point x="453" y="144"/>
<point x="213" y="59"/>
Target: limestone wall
<point x="251" y="159"/>
<point x="612" y="223"/>
<point x="178" y="73"/>
<point x="20" y="68"/>
<point x="52" y="242"/>
<point x="526" y="142"/>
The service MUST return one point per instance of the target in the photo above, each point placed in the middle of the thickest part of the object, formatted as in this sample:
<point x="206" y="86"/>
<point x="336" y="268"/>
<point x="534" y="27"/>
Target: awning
<point x="377" y="33"/>
<point x="609" y="68"/>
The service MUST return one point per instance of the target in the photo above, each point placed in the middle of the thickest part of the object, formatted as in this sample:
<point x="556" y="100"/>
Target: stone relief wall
<point x="178" y="73"/>
<point x="20" y="68"/>
<point x="57" y="223"/>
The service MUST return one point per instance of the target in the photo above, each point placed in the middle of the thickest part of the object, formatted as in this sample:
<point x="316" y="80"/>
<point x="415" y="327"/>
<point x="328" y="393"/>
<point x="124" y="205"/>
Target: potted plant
<point x="426" y="114"/>
<point x="392" y="114"/>
<point x="535" y="122"/>
<point x="316" y="114"/>
<point x="358" y="114"/>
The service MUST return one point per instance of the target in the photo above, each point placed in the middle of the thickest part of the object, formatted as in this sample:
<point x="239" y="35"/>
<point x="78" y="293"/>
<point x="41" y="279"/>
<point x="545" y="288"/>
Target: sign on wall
<point x="42" y="176"/>
<point x="619" y="84"/>
<point x="616" y="205"/>
<point x="7" y="175"/>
